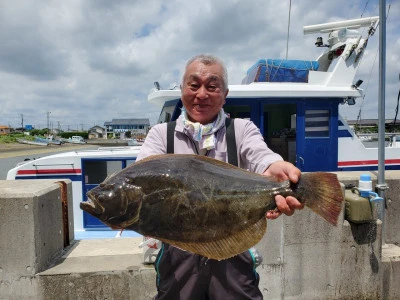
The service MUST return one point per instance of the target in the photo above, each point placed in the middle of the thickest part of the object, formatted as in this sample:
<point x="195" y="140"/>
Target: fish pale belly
<point x="226" y="247"/>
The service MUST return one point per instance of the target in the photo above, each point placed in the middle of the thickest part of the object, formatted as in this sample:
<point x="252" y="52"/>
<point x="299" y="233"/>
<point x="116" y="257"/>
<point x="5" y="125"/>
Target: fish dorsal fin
<point x="226" y="247"/>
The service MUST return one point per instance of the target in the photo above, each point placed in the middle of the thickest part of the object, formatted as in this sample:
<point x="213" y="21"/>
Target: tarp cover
<point x="280" y="70"/>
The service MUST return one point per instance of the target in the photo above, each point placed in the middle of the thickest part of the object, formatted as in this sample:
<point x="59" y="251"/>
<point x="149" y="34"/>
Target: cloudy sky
<point x="79" y="63"/>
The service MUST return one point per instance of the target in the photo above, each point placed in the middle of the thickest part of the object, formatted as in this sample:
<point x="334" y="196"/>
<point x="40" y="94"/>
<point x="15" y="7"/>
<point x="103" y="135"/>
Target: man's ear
<point x="226" y="93"/>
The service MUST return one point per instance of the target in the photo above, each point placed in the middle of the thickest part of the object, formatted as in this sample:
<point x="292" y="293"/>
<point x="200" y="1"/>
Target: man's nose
<point x="202" y="92"/>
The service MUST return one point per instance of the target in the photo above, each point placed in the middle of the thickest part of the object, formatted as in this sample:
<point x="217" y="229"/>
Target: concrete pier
<point x="100" y="269"/>
<point x="304" y="257"/>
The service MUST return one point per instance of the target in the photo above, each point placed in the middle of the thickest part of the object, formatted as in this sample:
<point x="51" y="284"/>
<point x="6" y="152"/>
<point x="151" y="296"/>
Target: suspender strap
<point x="231" y="142"/>
<point x="170" y="136"/>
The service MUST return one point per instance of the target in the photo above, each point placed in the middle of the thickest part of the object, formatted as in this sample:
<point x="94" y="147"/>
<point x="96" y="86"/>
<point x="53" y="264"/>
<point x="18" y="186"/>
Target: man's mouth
<point x="201" y="106"/>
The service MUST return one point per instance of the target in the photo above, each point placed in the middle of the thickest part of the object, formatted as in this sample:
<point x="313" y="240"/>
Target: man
<point x="200" y="129"/>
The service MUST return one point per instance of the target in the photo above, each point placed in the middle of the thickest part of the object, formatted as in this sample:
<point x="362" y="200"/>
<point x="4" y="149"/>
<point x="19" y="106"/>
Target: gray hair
<point x="209" y="59"/>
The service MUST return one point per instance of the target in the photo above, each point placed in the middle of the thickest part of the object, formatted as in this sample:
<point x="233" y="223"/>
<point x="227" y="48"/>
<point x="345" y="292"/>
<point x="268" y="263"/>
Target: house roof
<point x="96" y="126"/>
<point x="4" y="127"/>
<point x="128" y="122"/>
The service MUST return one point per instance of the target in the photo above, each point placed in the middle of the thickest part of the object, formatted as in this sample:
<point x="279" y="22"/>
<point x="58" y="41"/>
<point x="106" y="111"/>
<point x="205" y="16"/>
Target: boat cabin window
<point x="280" y="129"/>
<point x="130" y="161"/>
<point x="276" y="121"/>
<point x="317" y="123"/>
<point x="164" y="117"/>
<point x="97" y="171"/>
<point x="168" y="111"/>
<point x="238" y="111"/>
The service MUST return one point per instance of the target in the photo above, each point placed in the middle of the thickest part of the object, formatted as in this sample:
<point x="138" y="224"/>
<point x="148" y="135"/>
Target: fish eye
<point x="107" y="186"/>
<point x="128" y="180"/>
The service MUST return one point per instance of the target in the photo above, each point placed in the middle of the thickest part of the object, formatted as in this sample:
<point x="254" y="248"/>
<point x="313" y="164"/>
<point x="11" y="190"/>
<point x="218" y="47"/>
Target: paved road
<point x="11" y="155"/>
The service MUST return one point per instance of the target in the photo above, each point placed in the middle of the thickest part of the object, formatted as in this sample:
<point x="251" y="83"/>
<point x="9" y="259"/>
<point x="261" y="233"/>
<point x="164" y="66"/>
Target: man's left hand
<point x="283" y="170"/>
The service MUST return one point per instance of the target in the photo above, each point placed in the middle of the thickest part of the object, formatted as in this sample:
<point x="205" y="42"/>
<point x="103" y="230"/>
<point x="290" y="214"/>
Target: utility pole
<point x="48" y="121"/>
<point x="381" y="186"/>
<point x="22" y="120"/>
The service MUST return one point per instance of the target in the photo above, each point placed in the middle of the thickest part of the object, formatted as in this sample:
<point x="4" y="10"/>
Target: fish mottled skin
<point x="190" y="201"/>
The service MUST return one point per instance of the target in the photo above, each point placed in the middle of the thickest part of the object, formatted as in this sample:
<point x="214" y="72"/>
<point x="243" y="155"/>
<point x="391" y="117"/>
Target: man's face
<point x="203" y="92"/>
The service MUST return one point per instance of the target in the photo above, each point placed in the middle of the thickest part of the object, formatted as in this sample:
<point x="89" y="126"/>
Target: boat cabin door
<point x="317" y="135"/>
<point x="94" y="172"/>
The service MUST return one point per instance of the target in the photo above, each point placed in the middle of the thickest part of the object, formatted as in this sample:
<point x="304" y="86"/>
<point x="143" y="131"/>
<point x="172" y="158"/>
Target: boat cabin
<point x="303" y="131"/>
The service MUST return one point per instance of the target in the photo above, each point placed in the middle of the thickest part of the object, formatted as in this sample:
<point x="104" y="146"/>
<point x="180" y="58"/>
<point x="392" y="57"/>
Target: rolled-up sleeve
<point x="155" y="142"/>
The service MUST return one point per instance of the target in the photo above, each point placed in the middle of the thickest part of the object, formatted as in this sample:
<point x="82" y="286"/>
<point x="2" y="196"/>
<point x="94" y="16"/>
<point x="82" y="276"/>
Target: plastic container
<point x="363" y="205"/>
<point x="365" y="185"/>
<point x="357" y="209"/>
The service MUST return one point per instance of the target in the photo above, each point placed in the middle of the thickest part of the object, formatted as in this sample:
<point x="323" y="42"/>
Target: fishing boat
<point x="85" y="168"/>
<point x="49" y="140"/>
<point x="133" y="142"/>
<point x="34" y="142"/>
<point x="76" y="139"/>
<point x="295" y="104"/>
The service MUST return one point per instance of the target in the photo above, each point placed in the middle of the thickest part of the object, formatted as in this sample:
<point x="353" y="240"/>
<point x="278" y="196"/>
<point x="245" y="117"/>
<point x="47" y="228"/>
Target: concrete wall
<point x="304" y="257"/>
<point x="307" y="258"/>
<point x="31" y="233"/>
<point x="137" y="283"/>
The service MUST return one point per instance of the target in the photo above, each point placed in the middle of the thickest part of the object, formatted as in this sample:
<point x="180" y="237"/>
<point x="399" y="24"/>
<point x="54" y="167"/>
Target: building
<point x="97" y="132"/>
<point x="4" y="130"/>
<point x="137" y="127"/>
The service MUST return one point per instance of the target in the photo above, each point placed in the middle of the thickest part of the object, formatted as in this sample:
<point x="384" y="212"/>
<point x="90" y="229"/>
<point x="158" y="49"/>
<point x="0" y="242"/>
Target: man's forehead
<point x="209" y="77"/>
<point x="198" y="70"/>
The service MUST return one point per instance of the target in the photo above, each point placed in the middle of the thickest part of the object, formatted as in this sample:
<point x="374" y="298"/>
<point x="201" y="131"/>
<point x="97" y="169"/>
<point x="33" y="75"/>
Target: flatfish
<point x="201" y="204"/>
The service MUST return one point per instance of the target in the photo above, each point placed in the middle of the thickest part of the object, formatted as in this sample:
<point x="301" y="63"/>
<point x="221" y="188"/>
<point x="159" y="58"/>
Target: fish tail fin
<point x="322" y="193"/>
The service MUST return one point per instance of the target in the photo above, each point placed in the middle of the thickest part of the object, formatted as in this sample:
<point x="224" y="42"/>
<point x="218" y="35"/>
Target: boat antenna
<point x="371" y="32"/>
<point x="288" y="29"/>
<point x="365" y="7"/>
<point x="358" y="123"/>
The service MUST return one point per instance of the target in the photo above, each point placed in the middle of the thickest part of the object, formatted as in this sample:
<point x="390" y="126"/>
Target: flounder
<point x="201" y="204"/>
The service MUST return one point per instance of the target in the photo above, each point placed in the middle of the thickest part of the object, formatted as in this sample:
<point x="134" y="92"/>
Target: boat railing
<point x="52" y="164"/>
<point x="119" y="148"/>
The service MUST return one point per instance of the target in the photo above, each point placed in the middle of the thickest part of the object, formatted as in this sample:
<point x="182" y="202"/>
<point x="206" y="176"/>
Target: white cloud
<point x="88" y="62"/>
